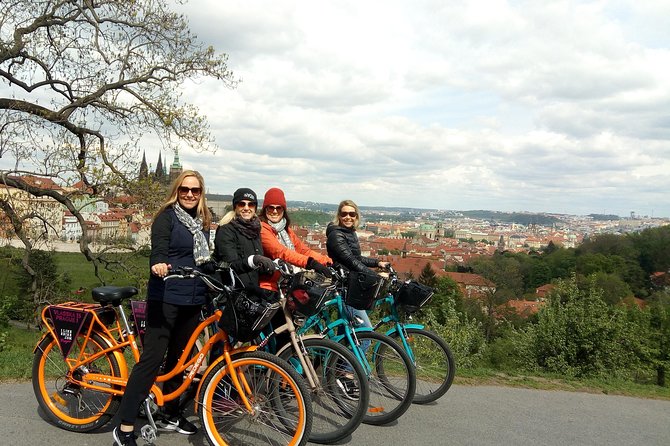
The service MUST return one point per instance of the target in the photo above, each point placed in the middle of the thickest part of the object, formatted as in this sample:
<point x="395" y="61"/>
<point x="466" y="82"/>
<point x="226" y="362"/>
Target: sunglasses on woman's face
<point x="273" y="209"/>
<point x="349" y="214"/>
<point x="245" y="204"/>
<point x="193" y="190"/>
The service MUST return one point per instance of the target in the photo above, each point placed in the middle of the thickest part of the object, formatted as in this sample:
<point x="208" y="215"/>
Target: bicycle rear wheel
<point x="433" y="361"/>
<point x="281" y="407"/>
<point x="340" y="398"/>
<point x="65" y="403"/>
<point x="392" y="379"/>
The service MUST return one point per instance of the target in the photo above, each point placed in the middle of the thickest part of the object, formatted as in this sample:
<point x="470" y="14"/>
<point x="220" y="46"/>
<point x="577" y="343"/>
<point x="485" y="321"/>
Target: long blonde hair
<point x="344" y="203"/>
<point x="227" y="218"/>
<point x="202" y="210"/>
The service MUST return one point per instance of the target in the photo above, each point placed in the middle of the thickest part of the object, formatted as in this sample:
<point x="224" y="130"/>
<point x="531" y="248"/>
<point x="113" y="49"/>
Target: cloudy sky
<point x="548" y="106"/>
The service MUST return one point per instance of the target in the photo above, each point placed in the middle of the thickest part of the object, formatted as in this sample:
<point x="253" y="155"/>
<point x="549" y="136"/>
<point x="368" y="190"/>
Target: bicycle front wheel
<point x="281" y="409"/>
<point x="65" y="402"/>
<point x="433" y="361"/>
<point x="392" y="378"/>
<point x="341" y="393"/>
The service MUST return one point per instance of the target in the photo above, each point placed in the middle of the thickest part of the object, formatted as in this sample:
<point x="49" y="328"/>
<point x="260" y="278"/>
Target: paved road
<point x="481" y="415"/>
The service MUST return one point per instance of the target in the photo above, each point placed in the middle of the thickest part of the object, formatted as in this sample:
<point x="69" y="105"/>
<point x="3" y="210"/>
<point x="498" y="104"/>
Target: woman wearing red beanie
<point x="280" y="242"/>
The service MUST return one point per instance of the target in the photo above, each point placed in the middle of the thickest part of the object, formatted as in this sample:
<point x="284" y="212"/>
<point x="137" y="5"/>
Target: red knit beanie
<point x="274" y="197"/>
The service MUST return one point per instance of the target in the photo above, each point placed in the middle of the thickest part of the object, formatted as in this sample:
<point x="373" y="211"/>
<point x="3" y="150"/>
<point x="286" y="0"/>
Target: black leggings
<point x="168" y="329"/>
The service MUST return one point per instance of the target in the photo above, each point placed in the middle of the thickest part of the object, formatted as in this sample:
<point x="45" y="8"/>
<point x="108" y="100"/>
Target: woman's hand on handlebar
<point x="160" y="269"/>
<point x="319" y="268"/>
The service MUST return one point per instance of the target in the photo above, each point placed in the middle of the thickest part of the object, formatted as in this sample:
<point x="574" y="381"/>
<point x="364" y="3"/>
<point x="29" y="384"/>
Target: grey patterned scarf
<point x="282" y="233"/>
<point x="194" y="225"/>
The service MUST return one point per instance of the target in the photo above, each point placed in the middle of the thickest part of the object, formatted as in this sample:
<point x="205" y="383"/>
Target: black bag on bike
<point x="309" y="290"/>
<point x="362" y="289"/>
<point x="246" y="313"/>
<point x="412" y="295"/>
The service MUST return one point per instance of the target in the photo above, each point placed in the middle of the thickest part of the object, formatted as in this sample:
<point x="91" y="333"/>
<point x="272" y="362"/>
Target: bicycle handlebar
<point x="188" y="272"/>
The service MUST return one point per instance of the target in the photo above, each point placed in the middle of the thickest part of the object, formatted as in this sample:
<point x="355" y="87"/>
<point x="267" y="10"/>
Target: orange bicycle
<point x="80" y="371"/>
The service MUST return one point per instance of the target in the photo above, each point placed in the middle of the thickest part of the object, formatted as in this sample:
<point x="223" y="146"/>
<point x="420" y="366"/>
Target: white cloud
<point x="555" y="106"/>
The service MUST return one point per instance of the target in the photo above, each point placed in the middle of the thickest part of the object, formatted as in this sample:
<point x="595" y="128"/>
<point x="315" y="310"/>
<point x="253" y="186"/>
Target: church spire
<point x="160" y="171"/>
<point x="144" y="169"/>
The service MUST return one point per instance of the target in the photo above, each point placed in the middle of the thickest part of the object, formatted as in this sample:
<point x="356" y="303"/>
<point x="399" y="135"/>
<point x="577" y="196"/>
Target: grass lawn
<point x="610" y="386"/>
<point x="121" y="269"/>
<point x="16" y="353"/>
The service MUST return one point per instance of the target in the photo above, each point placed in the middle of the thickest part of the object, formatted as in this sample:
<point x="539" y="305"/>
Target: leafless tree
<point x="82" y="83"/>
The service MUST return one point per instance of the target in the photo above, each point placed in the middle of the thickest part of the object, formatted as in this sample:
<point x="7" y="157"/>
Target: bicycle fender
<point x="243" y="349"/>
<point x="417" y="326"/>
<point x="338" y="338"/>
<point x="309" y="336"/>
<point x="44" y="335"/>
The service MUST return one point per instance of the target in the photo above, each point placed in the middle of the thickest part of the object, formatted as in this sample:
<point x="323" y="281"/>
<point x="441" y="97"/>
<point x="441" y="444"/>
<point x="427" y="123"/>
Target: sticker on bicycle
<point x="67" y="325"/>
<point x="139" y="308"/>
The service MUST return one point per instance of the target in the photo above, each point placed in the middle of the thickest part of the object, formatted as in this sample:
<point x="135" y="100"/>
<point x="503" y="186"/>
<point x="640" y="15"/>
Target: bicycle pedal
<point x="148" y="434"/>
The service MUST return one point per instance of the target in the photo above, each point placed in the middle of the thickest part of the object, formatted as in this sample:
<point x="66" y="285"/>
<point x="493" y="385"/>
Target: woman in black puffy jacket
<point x="344" y="249"/>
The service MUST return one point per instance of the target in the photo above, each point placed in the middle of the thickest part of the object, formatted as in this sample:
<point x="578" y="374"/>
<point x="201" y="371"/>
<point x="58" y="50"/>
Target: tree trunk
<point x="660" y="376"/>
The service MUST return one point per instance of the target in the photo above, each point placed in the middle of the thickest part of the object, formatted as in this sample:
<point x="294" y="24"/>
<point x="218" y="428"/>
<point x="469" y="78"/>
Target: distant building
<point x="175" y="167"/>
<point x="144" y="169"/>
<point x="48" y="226"/>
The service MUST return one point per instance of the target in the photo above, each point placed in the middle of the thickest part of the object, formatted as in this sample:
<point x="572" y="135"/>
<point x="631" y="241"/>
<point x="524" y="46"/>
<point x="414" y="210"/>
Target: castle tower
<point x="175" y="168"/>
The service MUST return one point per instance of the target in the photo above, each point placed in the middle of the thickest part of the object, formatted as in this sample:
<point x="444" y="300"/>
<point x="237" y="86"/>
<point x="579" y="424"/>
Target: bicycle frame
<point x="321" y="322"/>
<point x="120" y="336"/>
<point x="397" y="325"/>
<point x="295" y="343"/>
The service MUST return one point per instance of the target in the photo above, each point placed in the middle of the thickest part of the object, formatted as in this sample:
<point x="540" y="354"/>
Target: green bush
<point x="578" y="334"/>
<point x="463" y="334"/>
<point x="511" y="352"/>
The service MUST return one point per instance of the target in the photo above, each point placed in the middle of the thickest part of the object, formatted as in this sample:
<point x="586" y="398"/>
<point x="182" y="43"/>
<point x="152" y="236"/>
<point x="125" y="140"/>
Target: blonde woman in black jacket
<point x="345" y="250"/>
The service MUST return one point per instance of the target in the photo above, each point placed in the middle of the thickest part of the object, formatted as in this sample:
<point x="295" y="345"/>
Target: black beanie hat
<point x="244" y="193"/>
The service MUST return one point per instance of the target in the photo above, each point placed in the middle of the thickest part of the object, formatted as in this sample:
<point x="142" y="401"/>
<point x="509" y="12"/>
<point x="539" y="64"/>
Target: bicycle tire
<point x="65" y="403"/>
<point x="433" y="361"/>
<point x="392" y="380"/>
<point x="340" y="400"/>
<point x="277" y="390"/>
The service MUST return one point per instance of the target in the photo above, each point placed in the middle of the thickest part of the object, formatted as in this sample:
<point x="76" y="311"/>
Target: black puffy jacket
<point x="231" y="246"/>
<point x="344" y="249"/>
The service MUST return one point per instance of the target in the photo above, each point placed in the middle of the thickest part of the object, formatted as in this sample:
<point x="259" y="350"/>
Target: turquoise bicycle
<point x="430" y="354"/>
<point x="391" y="375"/>
<point x="337" y="382"/>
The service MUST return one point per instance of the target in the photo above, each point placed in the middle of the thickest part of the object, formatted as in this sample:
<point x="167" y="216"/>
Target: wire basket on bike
<point x="309" y="290"/>
<point x="245" y="313"/>
<point x="362" y="289"/>
<point x="412" y="295"/>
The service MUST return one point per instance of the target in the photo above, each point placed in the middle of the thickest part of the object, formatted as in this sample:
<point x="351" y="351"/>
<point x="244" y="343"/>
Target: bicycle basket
<point x="246" y="314"/>
<point x="362" y="289"/>
<point x="308" y="292"/>
<point x="412" y="295"/>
